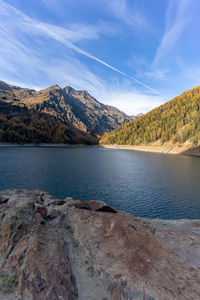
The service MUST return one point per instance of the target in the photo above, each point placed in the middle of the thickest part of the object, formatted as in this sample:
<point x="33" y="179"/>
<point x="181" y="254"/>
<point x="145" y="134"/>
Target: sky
<point x="132" y="54"/>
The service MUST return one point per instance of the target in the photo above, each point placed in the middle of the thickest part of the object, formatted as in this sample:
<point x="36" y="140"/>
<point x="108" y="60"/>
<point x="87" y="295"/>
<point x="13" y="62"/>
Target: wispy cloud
<point x="176" y="19"/>
<point x="62" y="35"/>
<point x="25" y="63"/>
<point x="123" y="10"/>
<point x="189" y="73"/>
<point x="25" y="66"/>
<point x="157" y="74"/>
<point x="132" y="101"/>
<point x="72" y="33"/>
<point x="146" y="70"/>
<point x="129" y="15"/>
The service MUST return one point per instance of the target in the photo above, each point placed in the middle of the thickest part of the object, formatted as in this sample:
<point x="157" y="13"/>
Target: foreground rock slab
<point x="66" y="249"/>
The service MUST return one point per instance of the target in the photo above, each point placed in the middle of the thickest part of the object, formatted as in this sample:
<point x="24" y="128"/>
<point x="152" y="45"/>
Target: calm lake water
<point x="144" y="184"/>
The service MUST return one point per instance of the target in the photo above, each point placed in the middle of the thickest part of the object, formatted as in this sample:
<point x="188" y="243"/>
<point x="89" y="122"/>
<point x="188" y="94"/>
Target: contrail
<point x="79" y="50"/>
<point x="10" y="37"/>
<point x="48" y="30"/>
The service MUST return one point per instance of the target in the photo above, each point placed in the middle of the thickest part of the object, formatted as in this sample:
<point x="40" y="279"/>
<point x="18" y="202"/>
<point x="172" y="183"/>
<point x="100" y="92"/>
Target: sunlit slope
<point x="177" y="121"/>
<point x="54" y="115"/>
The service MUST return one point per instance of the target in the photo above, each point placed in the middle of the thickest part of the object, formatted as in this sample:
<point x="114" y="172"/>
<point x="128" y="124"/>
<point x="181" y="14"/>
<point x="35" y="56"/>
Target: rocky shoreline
<point x="69" y="249"/>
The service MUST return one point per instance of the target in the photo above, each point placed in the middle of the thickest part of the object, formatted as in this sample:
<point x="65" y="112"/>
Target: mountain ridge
<point x="77" y="117"/>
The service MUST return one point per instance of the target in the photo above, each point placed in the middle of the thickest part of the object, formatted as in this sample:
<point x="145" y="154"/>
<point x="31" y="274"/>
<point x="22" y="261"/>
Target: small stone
<point x="42" y="210"/>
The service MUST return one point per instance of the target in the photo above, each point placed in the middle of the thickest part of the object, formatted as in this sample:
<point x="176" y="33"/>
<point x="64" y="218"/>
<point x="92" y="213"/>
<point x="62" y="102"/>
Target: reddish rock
<point x="42" y="210"/>
<point x="51" y="249"/>
<point x="132" y="262"/>
<point x="36" y="252"/>
<point x="94" y="205"/>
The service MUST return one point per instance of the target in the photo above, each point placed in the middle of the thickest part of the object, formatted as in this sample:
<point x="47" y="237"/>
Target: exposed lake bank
<point x="185" y="149"/>
<point x="167" y="148"/>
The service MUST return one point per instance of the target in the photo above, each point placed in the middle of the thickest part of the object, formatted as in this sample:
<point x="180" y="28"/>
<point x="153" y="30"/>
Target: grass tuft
<point x="8" y="284"/>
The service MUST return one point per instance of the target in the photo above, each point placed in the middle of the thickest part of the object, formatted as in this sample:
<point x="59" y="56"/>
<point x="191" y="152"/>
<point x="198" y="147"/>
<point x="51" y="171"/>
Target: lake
<point x="145" y="184"/>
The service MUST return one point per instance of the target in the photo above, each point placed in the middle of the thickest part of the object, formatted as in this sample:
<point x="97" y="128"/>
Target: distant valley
<point x="68" y="116"/>
<point x="54" y="115"/>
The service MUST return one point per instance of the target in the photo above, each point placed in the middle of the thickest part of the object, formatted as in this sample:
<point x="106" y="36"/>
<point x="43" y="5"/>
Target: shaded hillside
<point x="98" y="117"/>
<point x="22" y="125"/>
<point x="54" y="115"/>
<point x="177" y="121"/>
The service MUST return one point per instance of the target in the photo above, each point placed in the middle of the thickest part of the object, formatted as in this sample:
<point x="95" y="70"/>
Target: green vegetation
<point x="91" y="271"/>
<point x="177" y="120"/>
<point x="75" y="244"/>
<point x="54" y="115"/>
<point x="8" y="284"/>
<point x="19" y="125"/>
<point x="69" y="229"/>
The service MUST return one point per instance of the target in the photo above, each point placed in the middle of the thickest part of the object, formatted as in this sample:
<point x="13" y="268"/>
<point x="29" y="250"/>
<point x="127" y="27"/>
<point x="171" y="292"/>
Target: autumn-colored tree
<point x="177" y="120"/>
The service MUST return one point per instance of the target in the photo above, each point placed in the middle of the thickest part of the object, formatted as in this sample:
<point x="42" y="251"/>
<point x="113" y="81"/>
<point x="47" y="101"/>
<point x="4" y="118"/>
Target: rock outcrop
<point x="66" y="249"/>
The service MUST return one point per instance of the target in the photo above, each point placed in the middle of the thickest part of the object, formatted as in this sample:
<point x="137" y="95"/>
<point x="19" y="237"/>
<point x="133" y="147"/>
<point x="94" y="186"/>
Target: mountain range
<point x="65" y="115"/>
<point x="54" y="115"/>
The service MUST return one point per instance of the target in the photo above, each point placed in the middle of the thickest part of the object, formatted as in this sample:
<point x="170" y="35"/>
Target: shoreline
<point x="44" y="145"/>
<point x="164" y="149"/>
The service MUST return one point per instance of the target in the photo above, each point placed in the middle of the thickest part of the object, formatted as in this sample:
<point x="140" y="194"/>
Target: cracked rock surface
<point x="69" y="249"/>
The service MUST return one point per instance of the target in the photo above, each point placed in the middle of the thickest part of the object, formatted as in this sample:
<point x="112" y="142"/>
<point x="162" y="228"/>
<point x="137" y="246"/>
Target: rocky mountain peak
<point x="85" y="93"/>
<point x="52" y="88"/>
<point x="69" y="90"/>
<point x="77" y="116"/>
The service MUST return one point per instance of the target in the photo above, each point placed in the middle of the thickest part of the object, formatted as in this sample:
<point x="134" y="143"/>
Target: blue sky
<point x="132" y="54"/>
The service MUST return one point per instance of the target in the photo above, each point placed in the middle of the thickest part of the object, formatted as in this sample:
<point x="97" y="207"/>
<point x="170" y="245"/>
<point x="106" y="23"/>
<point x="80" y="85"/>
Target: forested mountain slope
<point x="54" y="115"/>
<point x="177" y="121"/>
